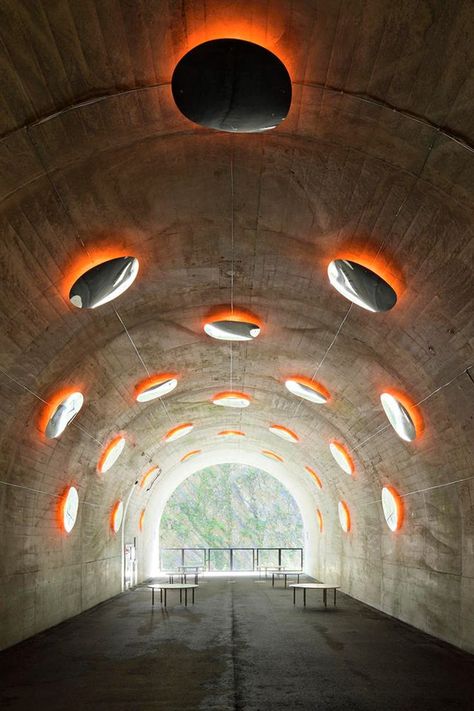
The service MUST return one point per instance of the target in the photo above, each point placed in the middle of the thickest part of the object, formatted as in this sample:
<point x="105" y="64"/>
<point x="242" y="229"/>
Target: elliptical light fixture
<point x="104" y="282"/>
<point x="344" y="516"/>
<point x="60" y="412"/>
<point x="284" y="433"/>
<point x="307" y="389"/>
<point x="177" y="432"/>
<point x="401" y="415"/>
<point x="192" y="453"/>
<point x="392" y="505"/>
<point x="231" y="398"/>
<point x="155" y="386"/>
<point x="272" y="455"/>
<point x="342" y="457"/>
<point x="141" y="520"/>
<point x="361" y="285"/>
<point x="116" y="516"/>
<point x="319" y="516"/>
<point x="111" y="453"/>
<point x="231" y="433"/>
<point x="147" y="477"/>
<point x="234" y="325"/>
<point x="68" y="508"/>
<point x="232" y="85"/>
<point x="316" y="478"/>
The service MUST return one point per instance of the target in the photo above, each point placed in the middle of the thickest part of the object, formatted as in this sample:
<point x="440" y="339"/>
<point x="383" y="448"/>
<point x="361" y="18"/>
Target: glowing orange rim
<point x="345" y="454"/>
<point x="229" y="433"/>
<point x="147" y="476"/>
<point x="377" y="265"/>
<point x="412" y="409"/>
<point x="272" y="455"/>
<point x="288" y="434"/>
<point x="141" y="519"/>
<point x="231" y="395"/>
<point x="240" y="315"/>
<point x="107" y="450"/>
<point x="315" y="477"/>
<point x="116" y="507"/>
<point x="347" y="516"/>
<point x="153" y="381"/>
<point x="190" y="454"/>
<point x="320" y="520"/>
<point x="53" y="403"/>
<point x="88" y="261"/>
<point x="316" y="386"/>
<point x="398" y="506"/>
<point x="171" y="434"/>
<point x="61" y="509"/>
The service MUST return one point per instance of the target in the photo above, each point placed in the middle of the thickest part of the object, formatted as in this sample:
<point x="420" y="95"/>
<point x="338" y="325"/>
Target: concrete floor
<point x="242" y="646"/>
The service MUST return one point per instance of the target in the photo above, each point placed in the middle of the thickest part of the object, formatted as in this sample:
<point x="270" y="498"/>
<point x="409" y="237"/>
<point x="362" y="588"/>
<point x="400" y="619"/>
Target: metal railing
<point x="204" y="557"/>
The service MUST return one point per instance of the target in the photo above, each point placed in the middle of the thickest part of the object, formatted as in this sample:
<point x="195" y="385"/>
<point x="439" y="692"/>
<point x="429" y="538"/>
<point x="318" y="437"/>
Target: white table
<point x="286" y="574"/>
<point x="164" y="587"/>
<point x="314" y="586"/>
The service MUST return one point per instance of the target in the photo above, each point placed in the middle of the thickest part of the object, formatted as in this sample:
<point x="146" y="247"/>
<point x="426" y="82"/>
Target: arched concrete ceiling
<point x="375" y="157"/>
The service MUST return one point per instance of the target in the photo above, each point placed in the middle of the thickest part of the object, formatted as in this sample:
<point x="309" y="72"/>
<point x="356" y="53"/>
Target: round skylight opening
<point x="141" y="520"/>
<point x="104" y="282"/>
<point x="272" y="455"/>
<point x="284" y="433"/>
<point x="344" y="516"/>
<point x="392" y="505"/>
<point x="231" y="399"/>
<point x="63" y="414"/>
<point x="399" y="417"/>
<point x="111" y="453"/>
<point x="228" y="330"/>
<point x="319" y="517"/>
<point x="117" y="516"/>
<point x="361" y="285"/>
<point x="232" y="85"/>
<point x="342" y="457"/>
<point x="307" y="390"/>
<point x="315" y="477"/>
<point x="178" y="432"/>
<point x="69" y="507"/>
<point x="154" y="387"/>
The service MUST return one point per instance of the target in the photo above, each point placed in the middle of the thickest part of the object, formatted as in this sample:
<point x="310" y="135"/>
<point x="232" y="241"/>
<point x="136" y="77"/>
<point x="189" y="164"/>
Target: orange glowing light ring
<point x="399" y="511"/>
<point x="349" y="467"/>
<point x="190" y="454"/>
<point x="229" y="395"/>
<point x="320" y="520"/>
<point x="67" y="519"/>
<point x="226" y="314"/>
<point x="412" y="409"/>
<point x="313" y="385"/>
<point x="116" y="442"/>
<point x="231" y="433"/>
<point x="284" y="432"/>
<point x="178" y="431"/>
<point x="147" y="476"/>
<point x="116" y="516"/>
<point x="272" y="455"/>
<point x="53" y="403"/>
<point x="152" y="382"/>
<point x="92" y="259"/>
<point x="141" y="519"/>
<point x="344" y="516"/>
<point x="376" y="264"/>
<point x="315" y="477"/>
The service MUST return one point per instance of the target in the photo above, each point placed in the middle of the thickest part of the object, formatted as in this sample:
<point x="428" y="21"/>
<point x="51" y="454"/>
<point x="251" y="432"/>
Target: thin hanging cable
<point x="422" y="491"/>
<point x="232" y="230"/>
<point x="231" y="366"/>
<point x="46" y="493"/>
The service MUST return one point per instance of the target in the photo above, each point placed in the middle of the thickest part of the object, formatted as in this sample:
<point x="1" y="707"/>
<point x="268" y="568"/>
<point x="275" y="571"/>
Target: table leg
<point x="325" y="597"/>
<point x="294" y="596"/>
<point x="193" y="595"/>
<point x="153" y="596"/>
<point x="186" y="597"/>
<point x="304" y="597"/>
<point x="286" y="579"/>
<point x="161" y="596"/>
<point x="180" y="596"/>
<point x="165" y="596"/>
<point x="273" y="580"/>
<point x="334" y="597"/>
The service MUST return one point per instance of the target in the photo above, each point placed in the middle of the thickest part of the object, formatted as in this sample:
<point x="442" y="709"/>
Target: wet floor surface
<point x="241" y="646"/>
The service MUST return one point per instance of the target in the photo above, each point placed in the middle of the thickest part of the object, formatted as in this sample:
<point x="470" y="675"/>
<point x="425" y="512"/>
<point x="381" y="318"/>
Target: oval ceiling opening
<point x="104" y="282"/>
<point x="232" y="85"/>
<point x="361" y="285"/>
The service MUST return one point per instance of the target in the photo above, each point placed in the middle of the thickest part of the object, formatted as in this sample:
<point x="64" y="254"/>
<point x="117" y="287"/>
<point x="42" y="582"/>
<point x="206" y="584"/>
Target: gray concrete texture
<point x="95" y="157"/>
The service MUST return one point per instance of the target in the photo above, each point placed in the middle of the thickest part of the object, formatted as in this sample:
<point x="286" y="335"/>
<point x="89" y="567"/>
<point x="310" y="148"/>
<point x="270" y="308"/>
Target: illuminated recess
<point x="155" y="386"/>
<point x="307" y="389"/>
<point x="68" y="508"/>
<point x="111" y="453"/>
<point x="60" y="413"/>
<point x="272" y="455"/>
<point x="342" y="457"/>
<point x="179" y="431"/>
<point x="192" y="453"/>
<point x="232" y="85"/>
<point x="116" y="516"/>
<point x="284" y="433"/>
<point x="148" y="476"/>
<point x="236" y="325"/>
<point x="104" y="282"/>
<point x="141" y="520"/>
<point x="316" y="478"/>
<point x="402" y="415"/>
<point x="231" y="433"/>
<point x="361" y="285"/>
<point x="231" y="398"/>
<point x="344" y="516"/>
<point x="392" y="505"/>
<point x="319" y="516"/>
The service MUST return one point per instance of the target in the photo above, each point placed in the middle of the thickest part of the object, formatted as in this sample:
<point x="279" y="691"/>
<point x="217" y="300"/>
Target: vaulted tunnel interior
<point x="280" y="280"/>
